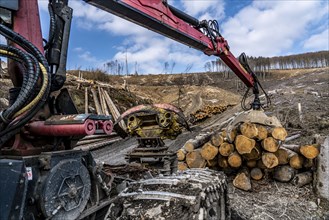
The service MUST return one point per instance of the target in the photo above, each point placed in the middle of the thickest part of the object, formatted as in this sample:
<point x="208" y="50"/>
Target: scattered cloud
<point x="86" y="57"/>
<point x="269" y="28"/>
<point x="262" y="28"/>
<point x="319" y="41"/>
<point x="204" y="9"/>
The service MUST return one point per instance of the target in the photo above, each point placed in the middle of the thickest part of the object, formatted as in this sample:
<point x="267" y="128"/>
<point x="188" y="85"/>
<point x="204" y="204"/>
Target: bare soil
<point x="269" y="199"/>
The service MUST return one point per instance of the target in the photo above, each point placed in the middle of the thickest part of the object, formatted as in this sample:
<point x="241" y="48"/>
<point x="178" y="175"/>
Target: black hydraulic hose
<point x="52" y="27"/>
<point x="25" y="44"/>
<point x="29" y="82"/>
<point x="14" y="129"/>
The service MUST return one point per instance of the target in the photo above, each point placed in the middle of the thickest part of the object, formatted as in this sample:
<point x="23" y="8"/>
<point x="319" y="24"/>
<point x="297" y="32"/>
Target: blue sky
<point x="259" y="28"/>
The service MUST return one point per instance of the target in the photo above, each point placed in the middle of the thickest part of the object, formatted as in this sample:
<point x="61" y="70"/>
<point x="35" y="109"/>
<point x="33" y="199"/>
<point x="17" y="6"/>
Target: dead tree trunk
<point x="86" y="100"/>
<point x="322" y="183"/>
<point x="96" y="101"/>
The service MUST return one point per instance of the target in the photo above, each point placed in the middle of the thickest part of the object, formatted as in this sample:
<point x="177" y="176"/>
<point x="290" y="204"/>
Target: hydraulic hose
<point x="25" y="44"/>
<point x="40" y="94"/>
<point x="29" y="80"/>
<point x="13" y="129"/>
<point x="31" y="59"/>
<point x="52" y="27"/>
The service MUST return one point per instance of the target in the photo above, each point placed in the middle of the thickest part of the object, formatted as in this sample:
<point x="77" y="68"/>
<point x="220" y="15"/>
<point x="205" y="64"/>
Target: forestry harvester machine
<point x="44" y="177"/>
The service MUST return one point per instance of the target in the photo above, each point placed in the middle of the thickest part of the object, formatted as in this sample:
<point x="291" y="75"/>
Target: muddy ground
<point x="269" y="199"/>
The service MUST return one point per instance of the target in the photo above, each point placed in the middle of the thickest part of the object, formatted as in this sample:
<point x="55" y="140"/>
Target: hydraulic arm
<point x="163" y="18"/>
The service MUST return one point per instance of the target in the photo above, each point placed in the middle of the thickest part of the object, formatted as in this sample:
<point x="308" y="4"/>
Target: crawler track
<point x="192" y="194"/>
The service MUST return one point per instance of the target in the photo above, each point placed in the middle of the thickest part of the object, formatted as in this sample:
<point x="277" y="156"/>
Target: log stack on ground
<point x="253" y="152"/>
<point x="207" y="111"/>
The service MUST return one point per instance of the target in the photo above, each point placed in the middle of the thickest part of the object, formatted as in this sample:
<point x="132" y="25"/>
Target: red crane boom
<point x="163" y="18"/>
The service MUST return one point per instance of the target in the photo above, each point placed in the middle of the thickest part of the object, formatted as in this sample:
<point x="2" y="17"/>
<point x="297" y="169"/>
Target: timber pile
<point x="207" y="111"/>
<point x="251" y="151"/>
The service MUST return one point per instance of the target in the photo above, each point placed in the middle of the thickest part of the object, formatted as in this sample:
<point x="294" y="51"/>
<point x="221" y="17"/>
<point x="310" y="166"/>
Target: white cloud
<point x="201" y="8"/>
<point x="86" y="57"/>
<point x="90" y="17"/>
<point x="196" y="7"/>
<point x="148" y="49"/>
<point x="263" y="28"/>
<point x="319" y="41"/>
<point x="268" y="28"/>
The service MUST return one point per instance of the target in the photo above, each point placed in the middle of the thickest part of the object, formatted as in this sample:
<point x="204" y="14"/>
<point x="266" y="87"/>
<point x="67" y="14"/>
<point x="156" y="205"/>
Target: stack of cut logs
<point x="251" y="151"/>
<point x="207" y="111"/>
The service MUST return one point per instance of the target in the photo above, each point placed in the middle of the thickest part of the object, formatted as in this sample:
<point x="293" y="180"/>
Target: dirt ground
<point x="269" y="199"/>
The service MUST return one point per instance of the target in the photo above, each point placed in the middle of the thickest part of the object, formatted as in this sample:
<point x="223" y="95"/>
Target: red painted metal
<point x="27" y="22"/>
<point x="106" y="126"/>
<point x="40" y="128"/>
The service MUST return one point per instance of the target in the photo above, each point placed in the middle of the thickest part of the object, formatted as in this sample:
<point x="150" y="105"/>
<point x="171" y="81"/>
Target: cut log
<point x="302" y="179"/>
<point x="222" y="162"/>
<point x="212" y="163"/>
<point x="293" y="147"/>
<point x="270" y="160"/>
<point x="216" y="139"/>
<point x="256" y="173"/>
<point x="249" y="130"/>
<point x="230" y="137"/>
<point x="234" y="160"/>
<point x="279" y="133"/>
<point x="86" y="100"/>
<point x="96" y="102"/>
<point x="114" y="110"/>
<point x="242" y="181"/>
<point x="293" y="137"/>
<point x="284" y="173"/>
<point x="261" y="165"/>
<point x="262" y="132"/>
<point x="189" y="146"/>
<point x="181" y="154"/>
<point x="251" y="163"/>
<point x="195" y="160"/>
<point x="103" y="102"/>
<point x="226" y="149"/>
<point x="198" y="142"/>
<point x="181" y="166"/>
<point x="244" y="144"/>
<point x="254" y="154"/>
<point x="270" y="144"/>
<point x="308" y="163"/>
<point x="209" y="151"/>
<point x="295" y="160"/>
<point x="309" y="151"/>
<point x="282" y="156"/>
<point x="233" y="134"/>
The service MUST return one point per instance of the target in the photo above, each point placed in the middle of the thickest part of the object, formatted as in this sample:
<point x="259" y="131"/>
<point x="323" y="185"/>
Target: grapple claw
<point x="253" y="116"/>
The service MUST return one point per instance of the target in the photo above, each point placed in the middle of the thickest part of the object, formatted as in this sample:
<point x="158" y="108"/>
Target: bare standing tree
<point x="172" y="66"/>
<point x="188" y="67"/>
<point x="207" y="66"/>
<point x="165" y="67"/>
